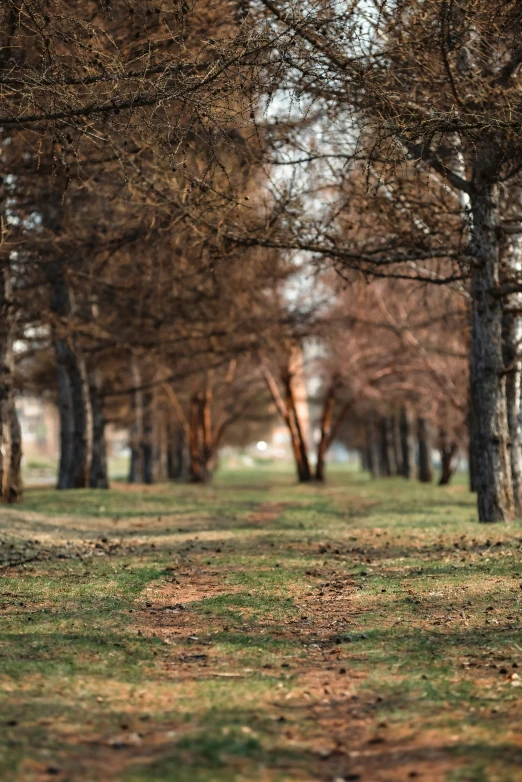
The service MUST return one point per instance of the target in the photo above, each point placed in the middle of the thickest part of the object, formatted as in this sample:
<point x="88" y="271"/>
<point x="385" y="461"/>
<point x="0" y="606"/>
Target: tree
<point x="435" y="85"/>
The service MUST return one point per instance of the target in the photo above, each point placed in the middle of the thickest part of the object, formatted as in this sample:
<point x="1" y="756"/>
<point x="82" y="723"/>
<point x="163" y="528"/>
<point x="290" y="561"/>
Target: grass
<point x="259" y="630"/>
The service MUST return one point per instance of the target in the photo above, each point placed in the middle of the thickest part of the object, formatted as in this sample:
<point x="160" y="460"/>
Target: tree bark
<point x="136" y="467"/>
<point x="424" y="436"/>
<point x="75" y="418"/>
<point x="99" y="478"/>
<point x="511" y="346"/>
<point x="195" y="474"/>
<point x="149" y="416"/>
<point x="383" y="448"/>
<point x="488" y="381"/>
<point x="326" y="423"/>
<point x="66" y="421"/>
<point x="161" y="447"/>
<point x="448" y="451"/>
<point x="374" y="450"/>
<point x="388" y="460"/>
<point x="73" y="391"/>
<point x="407" y="444"/>
<point x="6" y="381"/>
<point x="289" y="414"/>
<point x="396" y="440"/>
<point x="304" y="472"/>
<point x="15" y="485"/>
<point x="175" y="453"/>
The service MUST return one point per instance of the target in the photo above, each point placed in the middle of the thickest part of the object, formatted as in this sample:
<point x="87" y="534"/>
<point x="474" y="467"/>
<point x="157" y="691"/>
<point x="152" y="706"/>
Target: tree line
<point x="203" y="204"/>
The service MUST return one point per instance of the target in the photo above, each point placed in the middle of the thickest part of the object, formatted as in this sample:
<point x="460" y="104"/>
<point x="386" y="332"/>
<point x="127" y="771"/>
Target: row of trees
<point x="169" y="173"/>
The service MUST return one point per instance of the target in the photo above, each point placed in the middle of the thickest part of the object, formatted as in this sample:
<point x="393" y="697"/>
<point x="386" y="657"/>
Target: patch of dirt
<point x="266" y="513"/>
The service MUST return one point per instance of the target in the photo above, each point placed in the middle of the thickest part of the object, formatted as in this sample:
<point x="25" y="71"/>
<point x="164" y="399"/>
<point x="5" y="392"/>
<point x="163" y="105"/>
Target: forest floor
<point x="257" y="630"/>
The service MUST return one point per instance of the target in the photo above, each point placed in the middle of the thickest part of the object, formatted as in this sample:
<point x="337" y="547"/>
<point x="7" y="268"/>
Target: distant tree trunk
<point x="207" y="439"/>
<point x="388" y="461"/>
<point x="424" y="436"/>
<point x="488" y="381"/>
<point x="6" y="381"/>
<point x="448" y="451"/>
<point x="66" y="419"/>
<point x="383" y="448"/>
<point x="195" y="472"/>
<point x="175" y="453"/>
<point x="396" y="440"/>
<point x="200" y="438"/>
<point x="299" y="446"/>
<point x="304" y="472"/>
<point x="374" y="449"/>
<point x="15" y="486"/>
<point x="161" y="447"/>
<point x="149" y="416"/>
<point x="75" y="418"/>
<point x="326" y="423"/>
<point x="407" y="444"/>
<point x="136" y="468"/>
<point x="99" y="478"/>
<point x="73" y="390"/>
<point x="82" y="423"/>
<point x="288" y="411"/>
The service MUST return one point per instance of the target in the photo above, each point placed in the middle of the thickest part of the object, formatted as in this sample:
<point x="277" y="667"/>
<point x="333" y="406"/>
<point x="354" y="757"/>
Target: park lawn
<point x="259" y="630"/>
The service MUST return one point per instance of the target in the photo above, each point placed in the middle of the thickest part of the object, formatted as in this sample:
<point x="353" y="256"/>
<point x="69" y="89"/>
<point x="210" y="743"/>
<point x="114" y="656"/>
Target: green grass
<point x="259" y="630"/>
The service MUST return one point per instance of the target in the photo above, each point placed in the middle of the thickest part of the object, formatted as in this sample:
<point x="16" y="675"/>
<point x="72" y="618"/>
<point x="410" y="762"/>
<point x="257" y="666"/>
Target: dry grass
<point x="256" y="630"/>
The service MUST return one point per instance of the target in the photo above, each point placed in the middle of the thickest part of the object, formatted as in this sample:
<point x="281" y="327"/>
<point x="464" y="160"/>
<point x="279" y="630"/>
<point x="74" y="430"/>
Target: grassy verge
<point x="259" y="630"/>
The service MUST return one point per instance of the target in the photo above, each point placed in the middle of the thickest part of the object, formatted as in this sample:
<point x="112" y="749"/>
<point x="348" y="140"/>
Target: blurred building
<point x="40" y="427"/>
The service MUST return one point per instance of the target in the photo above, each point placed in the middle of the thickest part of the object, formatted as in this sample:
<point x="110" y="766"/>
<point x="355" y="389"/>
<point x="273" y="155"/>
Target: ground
<point x="259" y="630"/>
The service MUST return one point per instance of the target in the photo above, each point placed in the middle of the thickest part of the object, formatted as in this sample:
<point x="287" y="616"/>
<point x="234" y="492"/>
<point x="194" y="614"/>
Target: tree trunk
<point x="448" y="451"/>
<point x="425" y="450"/>
<point x="388" y="460"/>
<point x="99" y="475"/>
<point x="75" y="419"/>
<point x="304" y="473"/>
<point x="66" y="421"/>
<point x="396" y="441"/>
<point x="511" y="348"/>
<point x="383" y="448"/>
<point x="196" y="474"/>
<point x="161" y="447"/>
<point x="326" y="423"/>
<point x="6" y="381"/>
<point x="15" y="486"/>
<point x="149" y="416"/>
<point x="207" y="439"/>
<point x="374" y="450"/>
<point x="407" y="445"/>
<point x="511" y="345"/>
<point x="289" y="414"/>
<point x="73" y="391"/>
<point x="136" y="466"/>
<point x="81" y="456"/>
<point x="488" y="381"/>
<point x="175" y="453"/>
